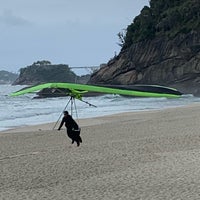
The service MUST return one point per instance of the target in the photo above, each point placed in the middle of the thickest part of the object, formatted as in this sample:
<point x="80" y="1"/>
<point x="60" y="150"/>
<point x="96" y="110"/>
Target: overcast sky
<point x="74" y="32"/>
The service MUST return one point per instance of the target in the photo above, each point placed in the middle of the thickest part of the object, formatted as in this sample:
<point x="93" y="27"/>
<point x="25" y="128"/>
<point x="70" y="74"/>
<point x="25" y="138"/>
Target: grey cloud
<point x="8" y="18"/>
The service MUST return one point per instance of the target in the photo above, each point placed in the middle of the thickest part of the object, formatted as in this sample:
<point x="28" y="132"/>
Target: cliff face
<point x="158" y="61"/>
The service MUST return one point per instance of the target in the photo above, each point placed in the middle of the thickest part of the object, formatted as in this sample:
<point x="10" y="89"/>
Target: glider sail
<point x="140" y="91"/>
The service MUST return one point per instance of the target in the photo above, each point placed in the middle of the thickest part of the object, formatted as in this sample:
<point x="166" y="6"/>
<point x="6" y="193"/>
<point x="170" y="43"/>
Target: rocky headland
<point x="161" y="46"/>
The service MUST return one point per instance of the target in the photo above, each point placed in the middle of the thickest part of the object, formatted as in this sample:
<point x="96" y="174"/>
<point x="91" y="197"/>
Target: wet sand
<point x="143" y="155"/>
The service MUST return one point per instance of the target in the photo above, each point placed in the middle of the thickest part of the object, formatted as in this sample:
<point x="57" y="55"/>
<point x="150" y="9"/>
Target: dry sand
<point x="143" y="156"/>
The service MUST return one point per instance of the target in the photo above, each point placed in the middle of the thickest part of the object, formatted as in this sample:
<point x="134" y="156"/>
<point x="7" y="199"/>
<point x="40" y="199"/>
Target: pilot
<point x="73" y="130"/>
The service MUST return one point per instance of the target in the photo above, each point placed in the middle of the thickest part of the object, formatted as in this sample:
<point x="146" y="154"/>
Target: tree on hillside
<point x="43" y="62"/>
<point x="163" y="18"/>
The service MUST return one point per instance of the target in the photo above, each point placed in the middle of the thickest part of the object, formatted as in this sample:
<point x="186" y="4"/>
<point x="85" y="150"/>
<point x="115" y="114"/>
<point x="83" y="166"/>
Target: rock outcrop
<point x="164" y="61"/>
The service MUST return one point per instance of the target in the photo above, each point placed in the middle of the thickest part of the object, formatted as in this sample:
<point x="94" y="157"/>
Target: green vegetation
<point x="162" y="18"/>
<point x="44" y="71"/>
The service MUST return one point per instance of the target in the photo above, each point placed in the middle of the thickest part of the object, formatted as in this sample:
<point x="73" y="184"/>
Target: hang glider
<point x="134" y="90"/>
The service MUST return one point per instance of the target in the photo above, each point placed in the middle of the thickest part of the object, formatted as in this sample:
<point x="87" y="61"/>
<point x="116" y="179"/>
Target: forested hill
<point x="161" y="46"/>
<point x="164" y="18"/>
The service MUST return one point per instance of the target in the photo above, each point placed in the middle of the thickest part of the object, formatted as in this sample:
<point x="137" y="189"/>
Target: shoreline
<point x="83" y="122"/>
<point x="88" y="121"/>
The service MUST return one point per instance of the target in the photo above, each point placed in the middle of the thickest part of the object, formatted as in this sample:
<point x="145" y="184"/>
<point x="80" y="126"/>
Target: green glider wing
<point x="170" y="92"/>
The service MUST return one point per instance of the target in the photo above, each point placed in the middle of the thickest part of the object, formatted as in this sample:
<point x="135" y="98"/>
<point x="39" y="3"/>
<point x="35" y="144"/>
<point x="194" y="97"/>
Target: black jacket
<point x="69" y="123"/>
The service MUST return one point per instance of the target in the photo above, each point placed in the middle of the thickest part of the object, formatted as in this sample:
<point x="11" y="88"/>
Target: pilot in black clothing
<point x="73" y="130"/>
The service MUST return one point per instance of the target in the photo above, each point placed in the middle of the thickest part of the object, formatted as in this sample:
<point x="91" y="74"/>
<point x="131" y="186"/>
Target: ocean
<point x="25" y="110"/>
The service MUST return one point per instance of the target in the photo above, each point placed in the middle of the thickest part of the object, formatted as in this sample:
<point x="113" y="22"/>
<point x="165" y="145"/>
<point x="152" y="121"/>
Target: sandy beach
<point x="130" y="156"/>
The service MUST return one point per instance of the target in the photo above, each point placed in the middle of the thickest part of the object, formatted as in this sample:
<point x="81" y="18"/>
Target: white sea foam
<point x="24" y="110"/>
